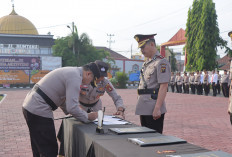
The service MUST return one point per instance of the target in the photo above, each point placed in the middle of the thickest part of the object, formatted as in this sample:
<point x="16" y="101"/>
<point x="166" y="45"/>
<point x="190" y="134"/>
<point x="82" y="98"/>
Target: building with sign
<point x="22" y="48"/>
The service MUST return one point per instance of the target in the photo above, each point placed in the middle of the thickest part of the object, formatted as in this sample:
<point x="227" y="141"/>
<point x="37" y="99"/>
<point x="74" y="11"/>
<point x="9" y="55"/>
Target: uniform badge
<point x="109" y="88"/>
<point x="163" y="68"/>
<point x="83" y="92"/>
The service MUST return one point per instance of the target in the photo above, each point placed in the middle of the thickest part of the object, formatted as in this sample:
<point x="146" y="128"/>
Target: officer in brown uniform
<point x="206" y="84"/>
<point x="198" y="82"/>
<point x="155" y="76"/>
<point x="186" y="83"/>
<point x="225" y="82"/>
<point x="180" y="81"/>
<point x="172" y="82"/>
<point x="191" y="81"/>
<point x="218" y="83"/>
<point x="230" y="93"/>
<point x="57" y="89"/>
<point x="90" y="95"/>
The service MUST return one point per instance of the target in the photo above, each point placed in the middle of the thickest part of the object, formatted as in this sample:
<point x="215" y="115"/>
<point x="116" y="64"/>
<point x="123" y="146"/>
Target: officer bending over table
<point x="155" y="76"/>
<point x="90" y="95"/>
<point x="57" y="89"/>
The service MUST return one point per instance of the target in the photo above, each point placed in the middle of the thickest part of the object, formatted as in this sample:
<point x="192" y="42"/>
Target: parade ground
<point x="201" y="120"/>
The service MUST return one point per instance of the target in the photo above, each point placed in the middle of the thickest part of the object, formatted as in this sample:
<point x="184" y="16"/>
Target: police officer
<point x="179" y="82"/>
<point x="197" y="81"/>
<point x="206" y="83"/>
<point x="186" y="83"/>
<point x="57" y="89"/>
<point x="90" y="95"/>
<point x="225" y="82"/>
<point x="214" y="78"/>
<point x="172" y="82"/>
<point x="154" y="79"/>
<point x="230" y="94"/>
<point x="191" y="81"/>
<point x="218" y="83"/>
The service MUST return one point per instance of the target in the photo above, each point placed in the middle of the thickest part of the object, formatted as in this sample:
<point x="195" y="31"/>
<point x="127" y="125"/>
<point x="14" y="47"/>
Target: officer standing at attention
<point x="206" y="83"/>
<point x="191" y="80"/>
<point x="180" y="81"/>
<point x="230" y="93"/>
<point x="90" y="95"/>
<point x="218" y="83"/>
<point x="172" y="82"/>
<point x="214" y="79"/>
<point x="225" y="82"/>
<point x="155" y="76"/>
<point x="56" y="89"/>
<point x="197" y="82"/>
<point x="186" y="83"/>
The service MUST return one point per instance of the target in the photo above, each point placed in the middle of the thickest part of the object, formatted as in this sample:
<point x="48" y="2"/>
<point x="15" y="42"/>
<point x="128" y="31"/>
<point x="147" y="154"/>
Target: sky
<point x="121" y="18"/>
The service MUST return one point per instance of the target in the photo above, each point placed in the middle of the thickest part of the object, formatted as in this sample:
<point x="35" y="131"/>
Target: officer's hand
<point x="120" y="113"/>
<point x="156" y="114"/>
<point x="92" y="116"/>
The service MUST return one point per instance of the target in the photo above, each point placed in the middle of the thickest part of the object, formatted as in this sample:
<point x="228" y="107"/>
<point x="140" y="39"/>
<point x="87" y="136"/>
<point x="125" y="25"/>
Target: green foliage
<point x="85" y="52"/>
<point x="173" y="61"/>
<point x="121" y="79"/>
<point x="203" y="38"/>
<point x="114" y="82"/>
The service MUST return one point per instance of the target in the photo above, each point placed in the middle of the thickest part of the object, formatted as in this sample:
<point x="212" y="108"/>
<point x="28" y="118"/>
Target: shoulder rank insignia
<point x="109" y="88"/>
<point x="163" y="68"/>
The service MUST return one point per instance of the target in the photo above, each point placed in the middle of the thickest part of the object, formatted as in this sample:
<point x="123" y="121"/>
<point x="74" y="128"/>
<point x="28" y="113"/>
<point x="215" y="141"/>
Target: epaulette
<point x="160" y="56"/>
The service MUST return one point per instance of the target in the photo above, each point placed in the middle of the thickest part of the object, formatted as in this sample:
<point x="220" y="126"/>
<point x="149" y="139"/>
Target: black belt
<point x="148" y="91"/>
<point x="153" y="92"/>
<point x="45" y="97"/>
<point x="89" y="105"/>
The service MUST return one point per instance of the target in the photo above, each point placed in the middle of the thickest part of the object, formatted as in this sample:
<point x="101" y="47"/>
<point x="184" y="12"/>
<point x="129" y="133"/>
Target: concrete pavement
<point x="201" y="120"/>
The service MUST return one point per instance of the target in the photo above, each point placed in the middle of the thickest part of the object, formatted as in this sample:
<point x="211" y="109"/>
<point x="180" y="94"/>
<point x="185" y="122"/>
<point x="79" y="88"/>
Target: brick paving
<point x="201" y="120"/>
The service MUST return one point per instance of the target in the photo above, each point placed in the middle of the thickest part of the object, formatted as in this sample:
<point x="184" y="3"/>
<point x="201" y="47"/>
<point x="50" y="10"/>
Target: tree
<point x="173" y="61"/>
<point x="83" y="46"/>
<point x="203" y="37"/>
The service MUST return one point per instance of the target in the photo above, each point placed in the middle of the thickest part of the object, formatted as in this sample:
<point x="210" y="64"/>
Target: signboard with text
<point x="19" y="63"/>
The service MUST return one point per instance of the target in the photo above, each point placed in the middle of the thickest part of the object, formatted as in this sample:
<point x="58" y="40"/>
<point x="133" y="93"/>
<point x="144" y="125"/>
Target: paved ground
<point x="201" y="120"/>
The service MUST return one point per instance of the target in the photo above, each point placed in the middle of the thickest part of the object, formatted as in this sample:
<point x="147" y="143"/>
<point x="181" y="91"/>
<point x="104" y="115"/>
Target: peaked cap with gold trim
<point x="142" y="39"/>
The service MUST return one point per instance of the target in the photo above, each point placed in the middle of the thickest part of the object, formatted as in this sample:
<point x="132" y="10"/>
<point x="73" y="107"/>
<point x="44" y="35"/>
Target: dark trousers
<point x="179" y="88"/>
<point x="42" y="134"/>
<point x="225" y="89"/>
<point x="218" y="87"/>
<point x="192" y="86"/>
<point x="197" y="88"/>
<point x="200" y="89"/>
<point x="206" y="88"/>
<point x="173" y="88"/>
<point x="231" y="118"/>
<point x="214" y="89"/>
<point x="148" y="121"/>
<point x="186" y="89"/>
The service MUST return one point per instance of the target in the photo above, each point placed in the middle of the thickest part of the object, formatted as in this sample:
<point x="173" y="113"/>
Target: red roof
<point x="224" y="63"/>
<point x="178" y="39"/>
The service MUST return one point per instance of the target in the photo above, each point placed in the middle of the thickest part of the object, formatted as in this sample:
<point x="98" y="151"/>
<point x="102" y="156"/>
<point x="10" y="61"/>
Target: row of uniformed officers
<point x="201" y="82"/>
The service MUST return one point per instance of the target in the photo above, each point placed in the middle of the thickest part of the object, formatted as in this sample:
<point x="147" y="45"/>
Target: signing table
<point x="81" y="140"/>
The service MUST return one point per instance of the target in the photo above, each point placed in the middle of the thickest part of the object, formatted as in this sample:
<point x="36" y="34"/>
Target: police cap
<point x="103" y="67"/>
<point x="142" y="39"/>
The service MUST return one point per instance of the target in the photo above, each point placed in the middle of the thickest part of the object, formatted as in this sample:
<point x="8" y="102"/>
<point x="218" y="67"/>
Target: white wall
<point x="50" y="63"/>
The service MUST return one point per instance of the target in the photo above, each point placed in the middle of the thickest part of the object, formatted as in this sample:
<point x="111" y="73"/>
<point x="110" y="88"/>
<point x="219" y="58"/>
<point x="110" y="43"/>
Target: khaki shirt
<point x="192" y="79"/>
<point x="89" y="95"/>
<point x="156" y="72"/>
<point x="172" y="80"/>
<point x="225" y="78"/>
<point x="186" y="80"/>
<point x="206" y="79"/>
<point x="61" y="86"/>
<point x="230" y="104"/>
<point x="219" y="78"/>
<point x="180" y="80"/>
<point x="197" y="79"/>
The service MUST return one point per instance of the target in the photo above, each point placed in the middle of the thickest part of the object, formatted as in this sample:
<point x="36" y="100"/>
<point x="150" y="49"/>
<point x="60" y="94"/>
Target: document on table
<point x="112" y="120"/>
